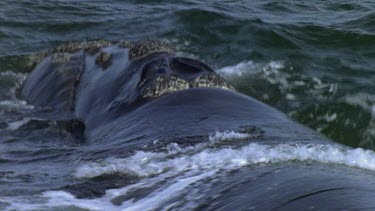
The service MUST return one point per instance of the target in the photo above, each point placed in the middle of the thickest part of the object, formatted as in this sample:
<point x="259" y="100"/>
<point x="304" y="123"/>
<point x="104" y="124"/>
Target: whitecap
<point x="178" y="172"/>
<point x="17" y="124"/>
<point x="15" y="104"/>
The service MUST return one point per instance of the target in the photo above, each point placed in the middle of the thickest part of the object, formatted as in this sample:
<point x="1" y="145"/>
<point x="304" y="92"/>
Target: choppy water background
<point x="314" y="60"/>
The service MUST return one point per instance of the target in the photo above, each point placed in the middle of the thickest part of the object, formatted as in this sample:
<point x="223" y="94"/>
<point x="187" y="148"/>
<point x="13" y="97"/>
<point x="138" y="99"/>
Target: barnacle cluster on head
<point x="67" y="48"/>
<point x="61" y="57"/>
<point x="169" y="84"/>
<point x="143" y="48"/>
<point x="158" y="86"/>
<point x="137" y="49"/>
<point x="88" y="46"/>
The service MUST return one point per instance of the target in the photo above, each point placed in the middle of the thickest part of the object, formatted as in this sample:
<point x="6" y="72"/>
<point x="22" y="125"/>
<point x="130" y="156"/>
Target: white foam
<point x="250" y="67"/>
<point x="142" y="163"/>
<point x="227" y="135"/>
<point x="162" y="195"/>
<point x="17" y="79"/>
<point x="237" y="69"/>
<point x="290" y="96"/>
<point x="179" y="171"/>
<point x="50" y="200"/>
<point x="18" y="124"/>
<point x="274" y="72"/>
<point x="276" y="65"/>
<point x="61" y="199"/>
<point x="364" y="100"/>
<point x="367" y="102"/>
<point x="15" y="104"/>
<point x="330" y="118"/>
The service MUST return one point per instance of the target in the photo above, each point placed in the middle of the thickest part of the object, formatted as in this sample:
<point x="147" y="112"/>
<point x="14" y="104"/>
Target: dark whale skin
<point x="107" y="101"/>
<point x="298" y="186"/>
<point x="200" y="111"/>
<point x="295" y="186"/>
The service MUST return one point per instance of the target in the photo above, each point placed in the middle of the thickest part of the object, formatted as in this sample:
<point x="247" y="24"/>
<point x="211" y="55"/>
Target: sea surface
<point x="314" y="60"/>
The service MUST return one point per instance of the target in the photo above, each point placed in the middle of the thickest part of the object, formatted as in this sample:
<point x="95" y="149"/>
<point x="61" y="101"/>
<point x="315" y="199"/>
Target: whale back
<point x="53" y="82"/>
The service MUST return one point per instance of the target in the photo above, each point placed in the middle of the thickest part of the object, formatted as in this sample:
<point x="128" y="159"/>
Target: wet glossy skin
<point x="108" y="100"/>
<point x="95" y="93"/>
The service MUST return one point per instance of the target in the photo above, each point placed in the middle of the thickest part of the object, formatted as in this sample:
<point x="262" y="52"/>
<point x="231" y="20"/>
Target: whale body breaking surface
<point x="158" y="131"/>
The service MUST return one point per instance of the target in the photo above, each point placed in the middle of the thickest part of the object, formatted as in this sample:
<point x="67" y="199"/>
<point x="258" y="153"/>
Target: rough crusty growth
<point x="168" y="84"/>
<point x="165" y="84"/>
<point x="61" y="57"/>
<point x="88" y="46"/>
<point x="125" y="44"/>
<point x="103" y="59"/>
<point x="137" y="49"/>
<point x="211" y="80"/>
<point x="146" y="47"/>
<point x="161" y="85"/>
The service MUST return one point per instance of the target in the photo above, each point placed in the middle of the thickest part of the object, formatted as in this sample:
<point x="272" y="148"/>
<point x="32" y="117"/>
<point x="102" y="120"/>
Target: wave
<point x="302" y="58"/>
<point x="167" y="175"/>
<point x="285" y="78"/>
<point x="144" y="164"/>
<point x="363" y="23"/>
<point x="321" y="104"/>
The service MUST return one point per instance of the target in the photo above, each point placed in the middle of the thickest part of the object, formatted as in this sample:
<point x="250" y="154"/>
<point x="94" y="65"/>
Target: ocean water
<point x="313" y="60"/>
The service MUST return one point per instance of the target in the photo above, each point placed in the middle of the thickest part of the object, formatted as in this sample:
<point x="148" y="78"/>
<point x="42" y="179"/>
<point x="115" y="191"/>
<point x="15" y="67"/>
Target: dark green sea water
<point x="314" y="60"/>
<point x="324" y="50"/>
